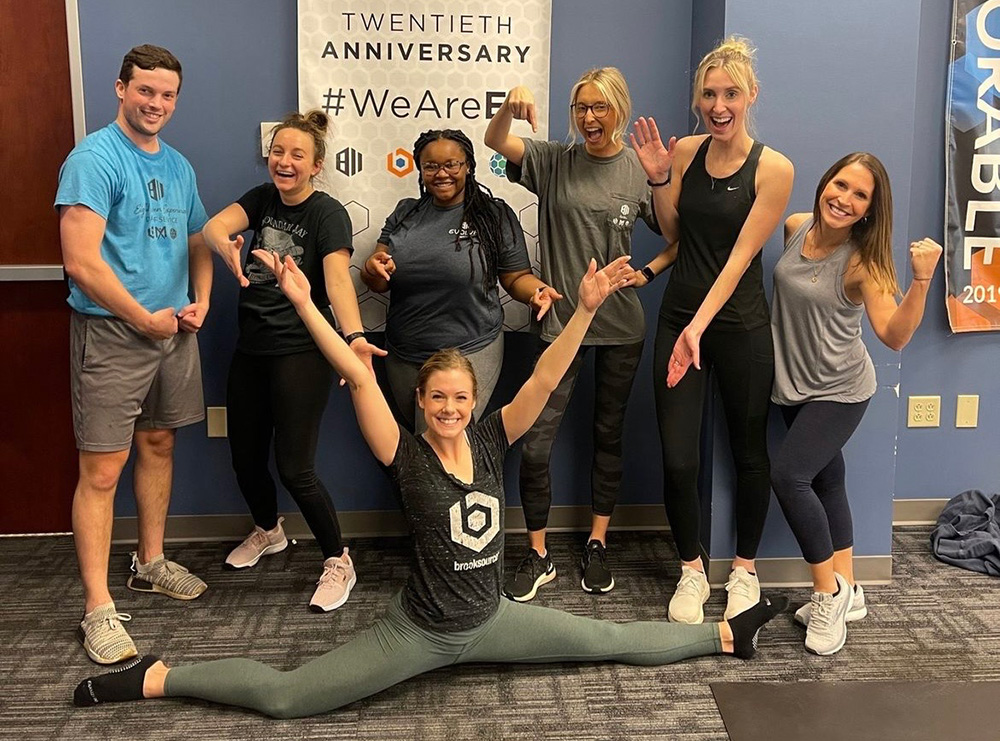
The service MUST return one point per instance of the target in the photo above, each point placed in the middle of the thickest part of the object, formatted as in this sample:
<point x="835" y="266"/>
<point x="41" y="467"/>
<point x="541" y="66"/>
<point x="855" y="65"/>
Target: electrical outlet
<point x="967" y="410"/>
<point x="218" y="423"/>
<point x="923" y="411"/>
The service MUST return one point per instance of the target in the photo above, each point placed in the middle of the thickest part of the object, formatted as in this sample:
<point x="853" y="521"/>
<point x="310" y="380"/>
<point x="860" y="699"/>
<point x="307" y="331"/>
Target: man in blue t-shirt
<point x="130" y="221"/>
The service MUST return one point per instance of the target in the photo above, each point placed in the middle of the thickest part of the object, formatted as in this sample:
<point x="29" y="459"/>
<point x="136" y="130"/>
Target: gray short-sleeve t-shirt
<point x="587" y="208"/>
<point x="439" y="296"/>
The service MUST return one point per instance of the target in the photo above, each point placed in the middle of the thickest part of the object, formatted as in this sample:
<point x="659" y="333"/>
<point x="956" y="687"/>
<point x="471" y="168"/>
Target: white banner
<point x="385" y="72"/>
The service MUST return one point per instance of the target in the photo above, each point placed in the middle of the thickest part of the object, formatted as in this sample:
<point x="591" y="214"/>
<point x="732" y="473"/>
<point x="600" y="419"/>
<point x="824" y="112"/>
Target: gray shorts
<point x="121" y="381"/>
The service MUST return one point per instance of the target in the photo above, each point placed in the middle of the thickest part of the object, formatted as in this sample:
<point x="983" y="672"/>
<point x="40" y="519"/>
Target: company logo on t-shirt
<point x="155" y="189"/>
<point x="464" y="233"/>
<point x="348" y="161"/>
<point x="274" y="239"/>
<point x="475" y="522"/>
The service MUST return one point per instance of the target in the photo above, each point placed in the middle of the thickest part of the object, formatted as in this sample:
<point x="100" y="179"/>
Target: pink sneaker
<point x="258" y="543"/>
<point x="334" y="586"/>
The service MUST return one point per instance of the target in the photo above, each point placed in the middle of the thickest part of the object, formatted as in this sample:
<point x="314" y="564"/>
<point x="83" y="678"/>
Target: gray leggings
<point x="402" y="376"/>
<point x="395" y="648"/>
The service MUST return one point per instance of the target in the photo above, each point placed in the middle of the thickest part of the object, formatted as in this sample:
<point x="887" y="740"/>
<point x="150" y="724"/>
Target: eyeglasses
<point x="451" y="167"/>
<point x="599" y="109"/>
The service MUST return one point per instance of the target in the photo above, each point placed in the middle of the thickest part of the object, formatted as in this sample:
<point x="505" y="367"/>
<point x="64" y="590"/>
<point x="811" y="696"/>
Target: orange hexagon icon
<point x="399" y="163"/>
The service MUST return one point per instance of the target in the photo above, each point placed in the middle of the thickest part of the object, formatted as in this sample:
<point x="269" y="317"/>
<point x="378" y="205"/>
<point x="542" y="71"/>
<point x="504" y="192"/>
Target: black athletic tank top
<point x="712" y="212"/>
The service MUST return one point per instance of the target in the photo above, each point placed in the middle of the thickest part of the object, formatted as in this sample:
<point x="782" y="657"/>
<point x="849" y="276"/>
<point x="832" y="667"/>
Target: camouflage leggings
<point x="614" y="371"/>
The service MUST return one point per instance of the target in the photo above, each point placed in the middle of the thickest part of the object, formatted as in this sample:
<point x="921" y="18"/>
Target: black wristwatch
<point x="349" y="338"/>
<point x="648" y="273"/>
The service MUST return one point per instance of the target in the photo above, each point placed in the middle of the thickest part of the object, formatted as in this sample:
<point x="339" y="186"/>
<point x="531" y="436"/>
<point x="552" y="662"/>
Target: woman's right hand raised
<point x="655" y="158"/>
<point x="292" y="281"/>
<point x="521" y="104"/>
<point x="381" y="264"/>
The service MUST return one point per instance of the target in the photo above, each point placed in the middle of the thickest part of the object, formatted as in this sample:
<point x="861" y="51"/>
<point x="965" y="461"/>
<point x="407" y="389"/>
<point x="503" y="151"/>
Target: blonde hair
<point x="872" y="235"/>
<point x="314" y="123"/>
<point x="444" y="360"/>
<point x="611" y="84"/>
<point x="735" y="57"/>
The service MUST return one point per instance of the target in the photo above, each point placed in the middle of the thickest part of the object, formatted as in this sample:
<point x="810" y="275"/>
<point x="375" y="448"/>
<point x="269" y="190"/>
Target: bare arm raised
<point x="519" y="104"/>
<point x="374" y="417"/>
<point x="596" y="285"/>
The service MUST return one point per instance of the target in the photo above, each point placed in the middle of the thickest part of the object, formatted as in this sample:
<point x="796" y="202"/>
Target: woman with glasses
<point x="590" y="196"/>
<point x="721" y="194"/>
<point x="442" y="255"/>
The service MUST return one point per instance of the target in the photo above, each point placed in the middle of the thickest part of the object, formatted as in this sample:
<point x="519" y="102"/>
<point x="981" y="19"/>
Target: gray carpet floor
<point x="933" y="622"/>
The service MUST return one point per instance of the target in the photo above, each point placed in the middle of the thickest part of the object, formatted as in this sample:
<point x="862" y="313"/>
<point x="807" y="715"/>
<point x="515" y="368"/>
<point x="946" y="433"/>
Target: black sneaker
<point x="530" y="574"/>
<point x="597" y="578"/>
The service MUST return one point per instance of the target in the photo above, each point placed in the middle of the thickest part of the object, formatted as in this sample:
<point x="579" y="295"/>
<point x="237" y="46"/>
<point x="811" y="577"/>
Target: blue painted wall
<point x="857" y="75"/>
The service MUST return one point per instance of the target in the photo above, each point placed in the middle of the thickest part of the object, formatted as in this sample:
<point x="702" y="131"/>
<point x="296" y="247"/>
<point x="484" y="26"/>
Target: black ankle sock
<point x="118" y="685"/>
<point x="748" y="623"/>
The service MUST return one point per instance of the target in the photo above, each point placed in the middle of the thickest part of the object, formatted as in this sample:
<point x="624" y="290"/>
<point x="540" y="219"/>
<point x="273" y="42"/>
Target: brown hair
<point x="444" y="360"/>
<point x="872" y="235"/>
<point x="735" y="57"/>
<point x="611" y="84"/>
<point x="314" y="123"/>
<point x="149" y="57"/>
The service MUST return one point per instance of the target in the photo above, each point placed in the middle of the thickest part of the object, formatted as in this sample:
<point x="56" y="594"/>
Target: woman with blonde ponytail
<point x="721" y="195"/>
<point x="279" y="381"/>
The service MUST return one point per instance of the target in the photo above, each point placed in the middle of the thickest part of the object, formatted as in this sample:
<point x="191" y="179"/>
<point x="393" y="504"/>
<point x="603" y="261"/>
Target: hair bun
<point x="317" y="118"/>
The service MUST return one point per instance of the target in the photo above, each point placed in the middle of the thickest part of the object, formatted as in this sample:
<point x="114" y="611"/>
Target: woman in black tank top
<point x="726" y="195"/>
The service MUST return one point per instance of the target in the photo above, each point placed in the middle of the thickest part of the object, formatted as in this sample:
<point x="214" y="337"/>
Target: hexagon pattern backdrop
<point x="385" y="71"/>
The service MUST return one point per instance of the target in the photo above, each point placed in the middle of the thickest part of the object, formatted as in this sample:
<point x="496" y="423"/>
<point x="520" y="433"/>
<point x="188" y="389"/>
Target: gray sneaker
<point x="104" y="637"/>
<point x="257" y="544"/>
<point x="164" y="577"/>
<point x="827" y="629"/>
<point x="858" y="609"/>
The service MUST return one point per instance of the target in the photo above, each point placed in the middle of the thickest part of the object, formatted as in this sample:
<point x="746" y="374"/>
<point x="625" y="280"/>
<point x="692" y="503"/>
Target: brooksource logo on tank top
<point x="475" y="522"/>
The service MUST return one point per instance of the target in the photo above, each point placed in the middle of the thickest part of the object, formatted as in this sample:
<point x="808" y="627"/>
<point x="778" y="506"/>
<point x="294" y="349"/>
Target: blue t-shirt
<point x="151" y="205"/>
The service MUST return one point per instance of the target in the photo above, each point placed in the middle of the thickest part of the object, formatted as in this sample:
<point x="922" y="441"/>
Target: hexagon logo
<point x="359" y="216"/>
<point x="475" y="521"/>
<point x="399" y="163"/>
<point x="498" y="165"/>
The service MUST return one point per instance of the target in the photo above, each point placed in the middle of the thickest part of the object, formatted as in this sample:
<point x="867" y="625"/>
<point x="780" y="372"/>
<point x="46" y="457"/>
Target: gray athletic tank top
<point x="818" y="352"/>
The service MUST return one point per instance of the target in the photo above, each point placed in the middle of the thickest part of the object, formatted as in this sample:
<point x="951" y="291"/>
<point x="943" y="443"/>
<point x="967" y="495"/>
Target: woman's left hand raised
<point x="924" y="256"/>
<point x="292" y="282"/>
<point x="597" y="285"/>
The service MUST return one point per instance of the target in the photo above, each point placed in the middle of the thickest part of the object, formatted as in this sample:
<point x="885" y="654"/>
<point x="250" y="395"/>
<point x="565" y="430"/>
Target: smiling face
<point x="723" y="105"/>
<point x="446" y="188"/>
<point x="146" y="102"/>
<point x="292" y="164"/>
<point x="447" y="399"/>
<point x="847" y="197"/>
<point x="598" y="132"/>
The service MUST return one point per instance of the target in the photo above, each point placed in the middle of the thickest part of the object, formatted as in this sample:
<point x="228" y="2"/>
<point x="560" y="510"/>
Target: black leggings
<point x="614" y="371"/>
<point x="743" y="363"/>
<point x="283" y="396"/>
<point x="808" y="475"/>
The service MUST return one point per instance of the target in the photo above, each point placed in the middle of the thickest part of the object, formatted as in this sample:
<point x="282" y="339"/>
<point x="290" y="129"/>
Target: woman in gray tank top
<point x="837" y="266"/>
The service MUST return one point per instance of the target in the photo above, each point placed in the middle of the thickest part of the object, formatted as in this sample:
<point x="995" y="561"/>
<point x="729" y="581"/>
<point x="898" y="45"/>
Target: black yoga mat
<point x="858" y="711"/>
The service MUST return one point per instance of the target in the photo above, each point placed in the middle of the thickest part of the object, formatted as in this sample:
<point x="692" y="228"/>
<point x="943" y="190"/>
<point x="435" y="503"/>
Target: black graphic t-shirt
<point x="457" y="529"/>
<point x="308" y="231"/>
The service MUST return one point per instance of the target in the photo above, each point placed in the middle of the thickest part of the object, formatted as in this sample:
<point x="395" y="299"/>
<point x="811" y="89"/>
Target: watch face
<point x="648" y="272"/>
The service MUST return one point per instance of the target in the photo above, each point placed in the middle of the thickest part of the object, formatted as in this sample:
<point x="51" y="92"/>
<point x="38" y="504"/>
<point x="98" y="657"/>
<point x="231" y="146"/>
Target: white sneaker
<point x="258" y="543"/>
<point x="827" y="629"/>
<point x="691" y="593"/>
<point x="858" y="609"/>
<point x="744" y="592"/>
